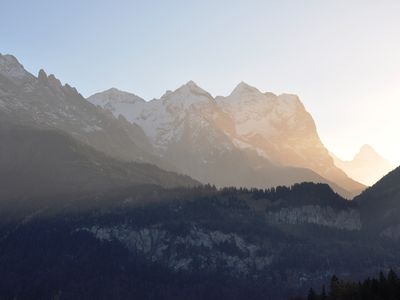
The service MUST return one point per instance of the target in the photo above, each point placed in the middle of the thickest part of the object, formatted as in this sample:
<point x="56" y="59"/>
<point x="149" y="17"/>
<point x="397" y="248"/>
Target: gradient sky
<point x="341" y="57"/>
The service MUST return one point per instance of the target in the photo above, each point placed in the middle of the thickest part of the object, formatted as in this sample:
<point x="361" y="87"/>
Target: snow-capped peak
<point x="187" y="95"/>
<point x="11" y="68"/>
<point x="114" y="96"/>
<point x="192" y="84"/>
<point x="243" y="88"/>
<point x="192" y="87"/>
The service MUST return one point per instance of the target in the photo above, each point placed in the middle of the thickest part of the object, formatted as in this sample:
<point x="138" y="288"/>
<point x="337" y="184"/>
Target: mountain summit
<point x="366" y="153"/>
<point x="243" y="88"/>
<point x="187" y="95"/>
<point x="367" y="166"/>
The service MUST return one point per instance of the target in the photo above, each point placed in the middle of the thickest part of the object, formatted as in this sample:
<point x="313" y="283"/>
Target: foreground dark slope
<point x="380" y="206"/>
<point x="41" y="162"/>
<point x="200" y="243"/>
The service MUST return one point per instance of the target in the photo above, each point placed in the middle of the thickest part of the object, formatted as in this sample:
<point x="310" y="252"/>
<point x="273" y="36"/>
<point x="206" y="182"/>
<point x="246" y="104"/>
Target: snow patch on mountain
<point x="256" y="113"/>
<point x="162" y="119"/>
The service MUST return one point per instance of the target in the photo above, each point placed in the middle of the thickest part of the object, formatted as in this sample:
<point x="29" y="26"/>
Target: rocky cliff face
<point x="41" y="163"/>
<point x="216" y="232"/>
<point x="202" y="249"/>
<point x="198" y="249"/>
<point x="348" y="219"/>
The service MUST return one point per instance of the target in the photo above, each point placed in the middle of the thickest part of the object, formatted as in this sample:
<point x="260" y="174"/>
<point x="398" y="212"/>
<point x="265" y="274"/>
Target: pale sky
<point x="341" y="57"/>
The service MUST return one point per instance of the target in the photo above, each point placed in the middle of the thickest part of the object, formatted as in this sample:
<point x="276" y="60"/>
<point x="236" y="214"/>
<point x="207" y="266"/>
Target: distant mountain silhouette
<point x="367" y="166"/>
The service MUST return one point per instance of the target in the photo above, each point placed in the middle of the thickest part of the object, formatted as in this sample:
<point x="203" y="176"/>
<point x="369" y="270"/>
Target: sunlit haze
<point x="341" y="57"/>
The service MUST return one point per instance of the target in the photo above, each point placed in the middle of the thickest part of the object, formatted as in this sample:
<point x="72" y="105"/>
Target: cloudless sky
<point x="341" y="57"/>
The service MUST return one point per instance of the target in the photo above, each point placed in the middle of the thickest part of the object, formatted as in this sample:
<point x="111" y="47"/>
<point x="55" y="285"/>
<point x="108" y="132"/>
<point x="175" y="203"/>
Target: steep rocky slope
<point x="37" y="163"/>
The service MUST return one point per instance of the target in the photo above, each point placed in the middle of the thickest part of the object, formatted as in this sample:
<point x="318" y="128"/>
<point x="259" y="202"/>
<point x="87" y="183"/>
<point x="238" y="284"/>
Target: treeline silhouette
<point x="381" y="288"/>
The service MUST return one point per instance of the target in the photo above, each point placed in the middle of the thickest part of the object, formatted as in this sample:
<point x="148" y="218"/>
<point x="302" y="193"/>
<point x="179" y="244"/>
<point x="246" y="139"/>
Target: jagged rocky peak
<point x="244" y="92"/>
<point x="194" y="88"/>
<point x="188" y="94"/>
<point x="10" y="67"/>
<point x="243" y="96"/>
<point x="53" y="82"/>
<point x="42" y="76"/>
<point x="191" y="84"/>
<point x="51" y="79"/>
<point x="249" y="98"/>
<point x="54" y="78"/>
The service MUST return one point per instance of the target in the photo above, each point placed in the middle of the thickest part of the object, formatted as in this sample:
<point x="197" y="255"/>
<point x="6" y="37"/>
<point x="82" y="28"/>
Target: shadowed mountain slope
<point x="41" y="162"/>
<point x="380" y="206"/>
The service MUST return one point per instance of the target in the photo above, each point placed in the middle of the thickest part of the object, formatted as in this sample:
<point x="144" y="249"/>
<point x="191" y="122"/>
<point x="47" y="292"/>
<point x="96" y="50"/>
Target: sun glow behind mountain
<point x="367" y="166"/>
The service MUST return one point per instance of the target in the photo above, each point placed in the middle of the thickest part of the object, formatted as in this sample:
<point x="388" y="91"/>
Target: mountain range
<point x="55" y="142"/>
<point x="43" y="101"/>
<point x="248" y="138"/>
